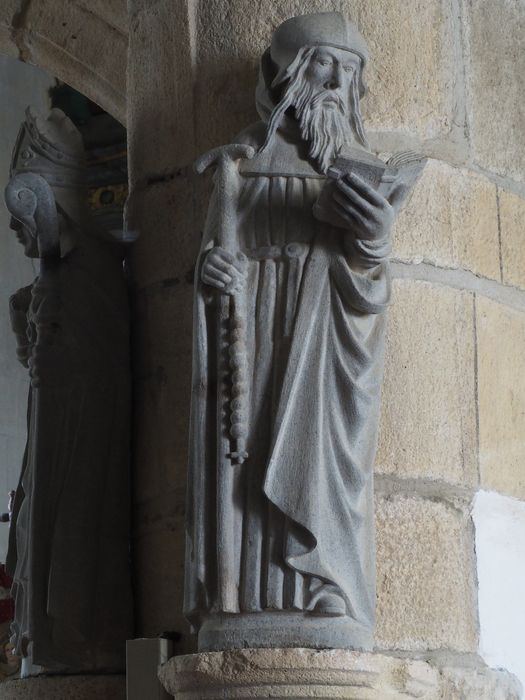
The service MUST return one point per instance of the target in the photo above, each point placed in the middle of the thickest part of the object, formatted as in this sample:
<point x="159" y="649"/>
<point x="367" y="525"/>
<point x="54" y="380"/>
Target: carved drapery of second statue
<point x="291" y="288"/>
<point x="69" y="539"/>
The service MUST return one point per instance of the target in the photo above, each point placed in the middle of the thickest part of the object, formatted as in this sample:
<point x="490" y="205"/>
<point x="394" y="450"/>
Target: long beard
<point x="326" y="128"/>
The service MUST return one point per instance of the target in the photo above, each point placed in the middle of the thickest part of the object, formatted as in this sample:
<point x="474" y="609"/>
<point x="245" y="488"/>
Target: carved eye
<point x="348" y="69"/>
<point x="324" y="62"/>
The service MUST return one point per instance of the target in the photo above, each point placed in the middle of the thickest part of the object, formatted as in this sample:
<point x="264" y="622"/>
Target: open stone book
<point x="401" y="170"/>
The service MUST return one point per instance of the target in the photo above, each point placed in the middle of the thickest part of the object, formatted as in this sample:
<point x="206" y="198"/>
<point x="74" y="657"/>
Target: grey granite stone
<point x="290" y="290"/>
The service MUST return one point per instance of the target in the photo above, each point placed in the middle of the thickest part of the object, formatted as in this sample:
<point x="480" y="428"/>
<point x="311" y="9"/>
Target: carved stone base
<point x="307" y="673"/>
<point x="282" y="630"/>
<point x="65" y="688"/>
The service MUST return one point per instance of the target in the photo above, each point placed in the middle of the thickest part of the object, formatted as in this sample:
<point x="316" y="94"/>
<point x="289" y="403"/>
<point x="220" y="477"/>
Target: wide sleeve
<point x="361" y="274"/>
<point x="367" y="254"/>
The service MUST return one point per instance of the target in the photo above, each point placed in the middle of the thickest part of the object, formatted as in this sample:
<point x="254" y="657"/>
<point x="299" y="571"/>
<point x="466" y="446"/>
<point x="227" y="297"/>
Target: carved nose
<point x="336" y="79"/>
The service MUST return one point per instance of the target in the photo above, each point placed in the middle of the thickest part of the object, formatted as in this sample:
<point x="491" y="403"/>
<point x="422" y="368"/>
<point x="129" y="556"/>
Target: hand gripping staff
<point x="232" y="308"/>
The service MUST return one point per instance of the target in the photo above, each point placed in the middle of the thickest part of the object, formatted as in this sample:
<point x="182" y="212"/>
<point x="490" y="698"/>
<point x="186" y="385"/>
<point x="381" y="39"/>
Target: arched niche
<point x="81" y="42"/>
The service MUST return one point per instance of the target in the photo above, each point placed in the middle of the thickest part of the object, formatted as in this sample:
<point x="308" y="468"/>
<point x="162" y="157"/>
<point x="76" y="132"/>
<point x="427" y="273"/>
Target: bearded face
<point x="324" y="93"/>
<point x="323" y="119"/>
<point x="321" y="97"/>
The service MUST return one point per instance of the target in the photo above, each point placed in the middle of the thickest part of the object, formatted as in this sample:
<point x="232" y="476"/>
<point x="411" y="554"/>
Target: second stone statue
<point x="70" y="530"/>
<point x="290" y="293"/>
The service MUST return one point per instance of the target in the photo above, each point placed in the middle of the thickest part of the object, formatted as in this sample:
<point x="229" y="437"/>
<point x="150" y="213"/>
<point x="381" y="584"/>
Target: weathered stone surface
<point x="512" y="223"/>
<point x="168" y="243"/>
<point x="160" y="75"/>
<point x="451" y="220"/>
<point x="161" y="211"/>
<point x="159" y="570"/>
<point x="162" y="396"/>
<point x="501" y="392"/>
<point x="483" y="683"/>
<point x="83" y="45"/>
<point x="305" y="673"/>
<point x="65" y="688"/>
<point x="9" y="11"/>
<point x="425" y="576"/>
<point x="115" y="13"/>
<point x="495" y="70"/>
<point x="7" y="45"/>
<point x="96" y="52"/>
<point x="412" y="84"/>
<point x="162" y="371"/>
<point x="81" y="48"/>
<point x="428" y="412"/>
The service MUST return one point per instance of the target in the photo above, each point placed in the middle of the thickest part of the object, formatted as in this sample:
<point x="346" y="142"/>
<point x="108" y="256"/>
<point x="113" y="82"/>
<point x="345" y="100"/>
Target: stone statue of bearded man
<point x="288" y="355"/>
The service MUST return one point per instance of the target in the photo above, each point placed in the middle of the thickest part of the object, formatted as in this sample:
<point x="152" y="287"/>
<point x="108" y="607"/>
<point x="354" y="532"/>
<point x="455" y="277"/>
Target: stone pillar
<point x="162" y="209"/>
<point x="459" y="284"/>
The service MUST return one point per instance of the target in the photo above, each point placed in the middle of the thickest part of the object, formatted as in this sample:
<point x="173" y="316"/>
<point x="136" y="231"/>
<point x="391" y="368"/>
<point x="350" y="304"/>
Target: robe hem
<point x="281" y="629"/>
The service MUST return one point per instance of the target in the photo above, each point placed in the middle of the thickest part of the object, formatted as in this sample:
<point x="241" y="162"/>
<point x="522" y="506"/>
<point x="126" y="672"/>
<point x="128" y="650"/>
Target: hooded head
<point x="52" y="147"/>
<point x="329" y="29"/>
<point x="313" y="70"/>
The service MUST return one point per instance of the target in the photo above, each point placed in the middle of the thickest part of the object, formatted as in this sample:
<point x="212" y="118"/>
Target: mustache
<point x="328" y="96"/>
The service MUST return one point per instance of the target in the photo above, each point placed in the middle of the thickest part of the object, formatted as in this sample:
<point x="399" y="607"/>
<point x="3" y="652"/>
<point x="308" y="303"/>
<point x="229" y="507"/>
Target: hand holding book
<point x="363" y="193"/>
<point x="365" y="211"/>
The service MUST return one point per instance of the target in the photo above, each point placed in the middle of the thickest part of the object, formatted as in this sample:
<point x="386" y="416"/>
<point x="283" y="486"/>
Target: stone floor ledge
<point x="309" y="673"/>
<point x="65" y="688"/>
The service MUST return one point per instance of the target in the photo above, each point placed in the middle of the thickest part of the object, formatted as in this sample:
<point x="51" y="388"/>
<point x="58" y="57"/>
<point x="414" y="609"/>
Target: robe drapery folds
<point x="69" y="538"/>
<point x="301" y="507"/>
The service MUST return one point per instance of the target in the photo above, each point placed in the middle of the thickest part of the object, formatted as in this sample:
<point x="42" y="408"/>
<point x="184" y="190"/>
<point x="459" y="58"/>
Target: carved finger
<point x="212" y="281"/>
<point x="353" y="195"/>
<point x="224" y="254"/>
<point x="366" y="190"/>
<point x="348" y="197"/>
<point x="224" y="274"/>
<point x="227" y="266"/>
<point x="217" y="263"/>
<point x="237" y="260"/>
<point x="348" y="215"/>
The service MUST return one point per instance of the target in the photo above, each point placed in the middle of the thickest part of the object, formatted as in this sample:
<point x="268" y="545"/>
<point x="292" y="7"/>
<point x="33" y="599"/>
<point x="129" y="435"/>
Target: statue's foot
<point x="330" y="604"/>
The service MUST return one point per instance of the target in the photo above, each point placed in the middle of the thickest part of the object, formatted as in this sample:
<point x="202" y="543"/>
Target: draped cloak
<point x="301" y="506"/>
<point x="69" y="538"/>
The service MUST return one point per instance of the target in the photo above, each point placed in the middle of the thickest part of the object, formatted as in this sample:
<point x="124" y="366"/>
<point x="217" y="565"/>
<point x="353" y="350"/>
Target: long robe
<point x="297" y="517"/>
<point x="69" y="540"/>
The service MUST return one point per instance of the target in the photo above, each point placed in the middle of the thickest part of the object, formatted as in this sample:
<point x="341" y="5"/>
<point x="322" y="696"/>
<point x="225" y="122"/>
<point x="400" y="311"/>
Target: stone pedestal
<point x="307" y="673"/>
<point x="65" y="688"/>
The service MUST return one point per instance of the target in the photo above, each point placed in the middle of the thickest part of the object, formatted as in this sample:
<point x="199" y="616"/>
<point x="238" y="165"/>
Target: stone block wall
<point x="445" y="78"/>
